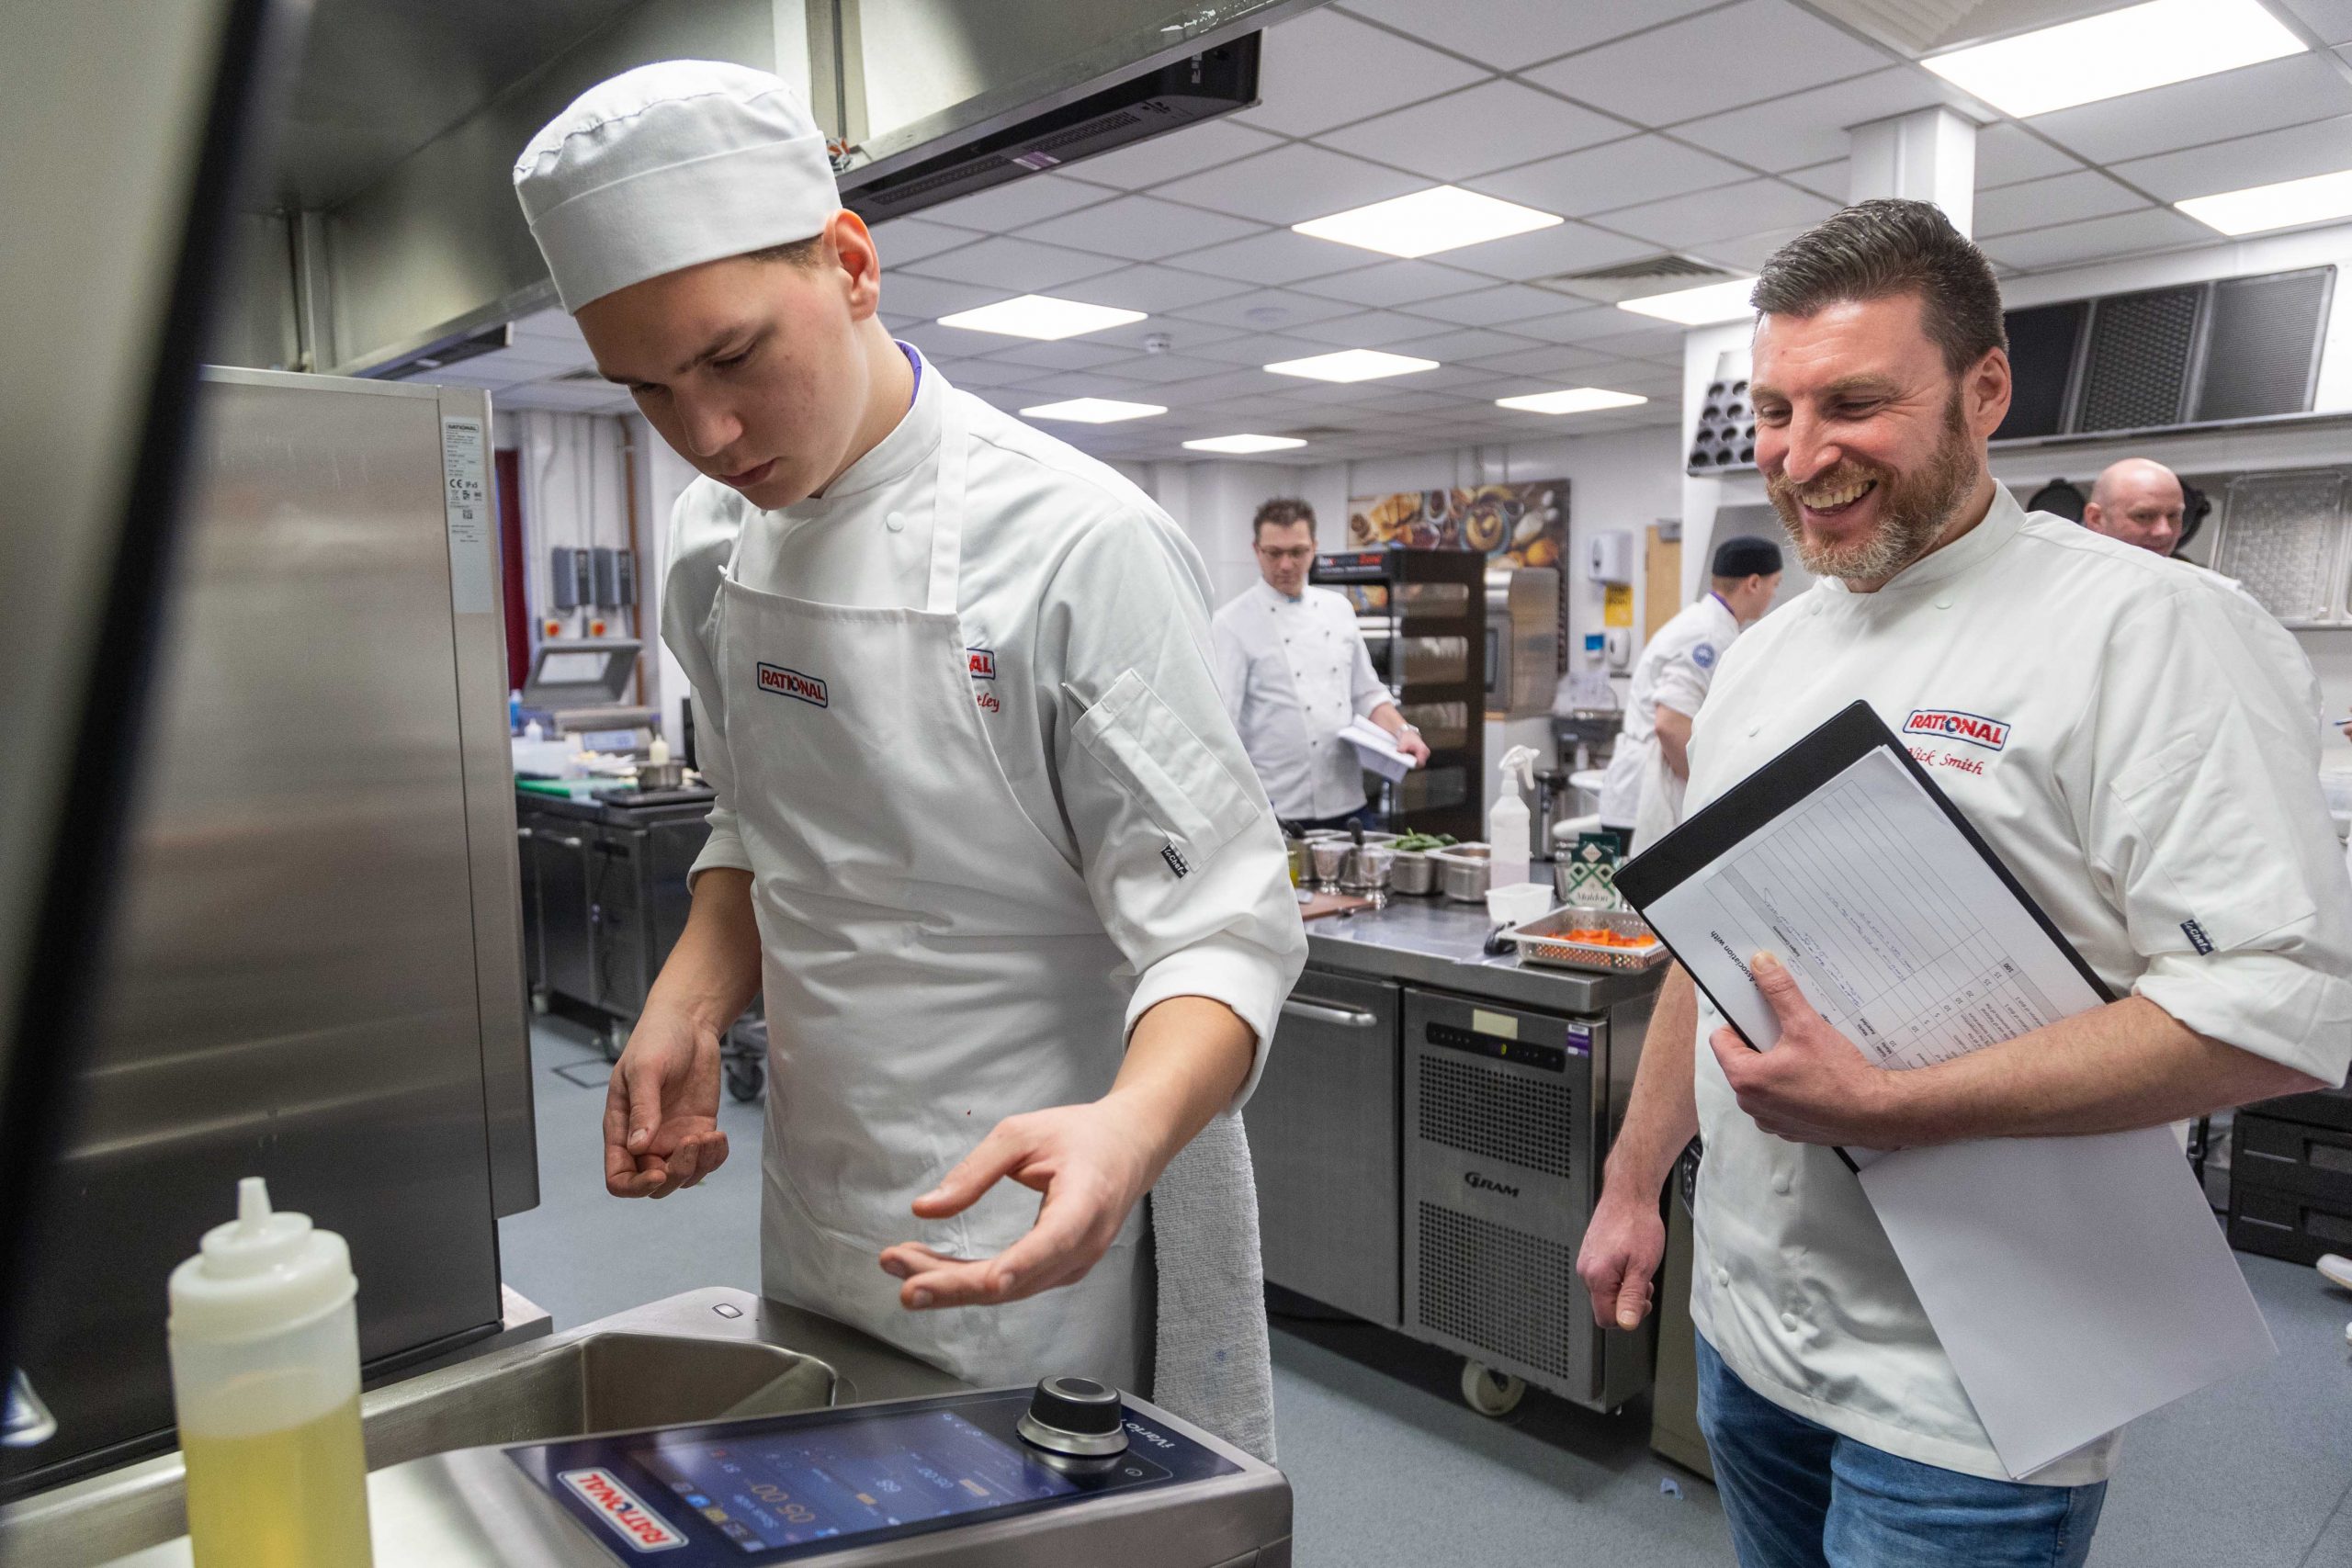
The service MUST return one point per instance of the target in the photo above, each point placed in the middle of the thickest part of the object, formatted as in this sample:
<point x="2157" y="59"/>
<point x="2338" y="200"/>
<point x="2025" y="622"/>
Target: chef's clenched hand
<point x="1814" y="1087"/>
<point x="1186" y="1061"/>
<point x="662" y="1111"/>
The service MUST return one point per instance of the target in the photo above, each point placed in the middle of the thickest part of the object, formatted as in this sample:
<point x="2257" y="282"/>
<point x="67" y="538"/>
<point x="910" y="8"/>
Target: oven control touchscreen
<point x="775" y="1490"/>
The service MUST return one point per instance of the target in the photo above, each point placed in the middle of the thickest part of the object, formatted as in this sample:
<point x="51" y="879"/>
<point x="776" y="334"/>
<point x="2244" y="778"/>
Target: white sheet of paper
<point x="2076" y="1283"/>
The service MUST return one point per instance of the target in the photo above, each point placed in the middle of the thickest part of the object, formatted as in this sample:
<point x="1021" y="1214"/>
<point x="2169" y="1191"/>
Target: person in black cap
<point x="1643" y="789"/>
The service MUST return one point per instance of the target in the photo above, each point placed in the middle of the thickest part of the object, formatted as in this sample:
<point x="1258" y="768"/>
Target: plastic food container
<point x="1589" y="939"/>
<point x="1463" y="871"/>
<point x="1518" y="903"/>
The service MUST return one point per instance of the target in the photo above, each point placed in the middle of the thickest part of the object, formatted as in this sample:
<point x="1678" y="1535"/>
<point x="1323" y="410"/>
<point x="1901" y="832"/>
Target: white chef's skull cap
<point x="668" y="166"/>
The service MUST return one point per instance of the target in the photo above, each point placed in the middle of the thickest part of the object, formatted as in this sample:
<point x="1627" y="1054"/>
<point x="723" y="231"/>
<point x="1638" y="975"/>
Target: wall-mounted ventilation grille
<point x="1506" y="1291"/>
<point x="1501" y="1115"/>
<point x="2140" y="349"/>
<point x="1630" y="280"/>
<point x="2259" y="342"/>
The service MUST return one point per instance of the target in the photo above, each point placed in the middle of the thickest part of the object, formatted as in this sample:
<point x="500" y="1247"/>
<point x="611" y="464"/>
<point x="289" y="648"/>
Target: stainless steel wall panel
<point x="295" y="990"/>
<point x="1323" y="1134"/>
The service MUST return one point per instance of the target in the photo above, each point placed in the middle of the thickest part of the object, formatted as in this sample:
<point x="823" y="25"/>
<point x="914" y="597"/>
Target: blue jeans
<point x="1800" y="1495"/>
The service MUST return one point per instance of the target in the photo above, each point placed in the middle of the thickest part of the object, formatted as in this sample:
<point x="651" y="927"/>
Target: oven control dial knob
<point x="1075" y="1417"/>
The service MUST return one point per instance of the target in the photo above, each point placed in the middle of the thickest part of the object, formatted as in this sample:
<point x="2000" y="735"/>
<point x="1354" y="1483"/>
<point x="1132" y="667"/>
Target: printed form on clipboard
<point x="2076" y="1282"/>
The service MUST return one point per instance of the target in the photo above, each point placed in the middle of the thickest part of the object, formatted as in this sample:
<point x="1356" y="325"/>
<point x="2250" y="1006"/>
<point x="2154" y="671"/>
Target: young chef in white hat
<point x="983" y="833"/>
<point x="2133" y="738"/>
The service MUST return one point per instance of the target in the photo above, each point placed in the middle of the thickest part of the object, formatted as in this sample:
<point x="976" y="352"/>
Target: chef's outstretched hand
<point x="1814" y="1087"/>
<point x="662" y="1111"/>
<point x="1090" y="1163"/>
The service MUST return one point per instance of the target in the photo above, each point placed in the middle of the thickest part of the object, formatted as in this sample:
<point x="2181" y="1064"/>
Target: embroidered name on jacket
<point x="1977" y="730"/>
<point x="793" y="683"/>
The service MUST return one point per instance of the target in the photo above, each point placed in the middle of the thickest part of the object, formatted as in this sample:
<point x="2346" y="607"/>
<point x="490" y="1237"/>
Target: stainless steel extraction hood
<point x="394" y="229"/>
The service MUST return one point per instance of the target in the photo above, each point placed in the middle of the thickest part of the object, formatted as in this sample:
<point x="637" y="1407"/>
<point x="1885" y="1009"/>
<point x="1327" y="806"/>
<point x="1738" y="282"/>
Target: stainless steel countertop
<point x="1432" y="941"/>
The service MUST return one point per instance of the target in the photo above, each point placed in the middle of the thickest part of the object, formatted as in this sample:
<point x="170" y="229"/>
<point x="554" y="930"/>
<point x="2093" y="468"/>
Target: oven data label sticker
<point x="465" y="472"/>
<point x="622" y="1512"/>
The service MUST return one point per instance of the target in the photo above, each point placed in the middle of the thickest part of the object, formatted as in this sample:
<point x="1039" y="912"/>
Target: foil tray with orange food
<point x="1571" y="938"/>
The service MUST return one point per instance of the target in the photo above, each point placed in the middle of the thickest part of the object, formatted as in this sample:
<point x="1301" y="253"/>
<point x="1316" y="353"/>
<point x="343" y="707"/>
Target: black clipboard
<point x="1779" y="786"/>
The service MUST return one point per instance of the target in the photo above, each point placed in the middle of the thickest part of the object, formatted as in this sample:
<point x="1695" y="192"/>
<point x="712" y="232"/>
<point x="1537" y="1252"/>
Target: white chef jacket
<point x="2151" y="780"/>
<point x="1293" y="672"/>
<point x="1676" y="669"/>
<point x="1071" y="578"/>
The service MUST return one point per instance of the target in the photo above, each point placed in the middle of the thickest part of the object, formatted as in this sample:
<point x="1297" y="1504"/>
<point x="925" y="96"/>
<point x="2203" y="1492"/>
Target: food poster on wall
<point x="1518" y="525"/>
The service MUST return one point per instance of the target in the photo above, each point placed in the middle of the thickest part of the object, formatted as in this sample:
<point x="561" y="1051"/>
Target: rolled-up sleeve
<point x="1176" y="840"/>
<point x="2206" y="820"/>
<point x="701" y="535"/>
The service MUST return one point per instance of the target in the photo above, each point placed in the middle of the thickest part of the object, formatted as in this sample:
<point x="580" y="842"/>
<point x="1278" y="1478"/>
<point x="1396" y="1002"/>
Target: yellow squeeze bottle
<point x="264" y="1348"/>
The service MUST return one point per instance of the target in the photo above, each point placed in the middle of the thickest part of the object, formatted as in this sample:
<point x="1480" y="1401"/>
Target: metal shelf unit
<point x="1444" y="796"/>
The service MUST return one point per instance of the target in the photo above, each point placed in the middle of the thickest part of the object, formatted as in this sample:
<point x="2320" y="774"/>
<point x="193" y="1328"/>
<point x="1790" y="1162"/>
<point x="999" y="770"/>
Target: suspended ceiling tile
<point x="1703" y="64"/>
<point x="2296" y="152"/>
<point x="905" y="240"/>
<point x="1140" y="228"/>
<point x="1187" y="150"/>
<point x="2126" y="233"/>
<point x="1148" y="369"/>
<point x="1638" y="169"/>
<point x="928" y="299"/>
<point x="1275" y="256"/>
<point x="1551" y="361"/>
<point x="1828" y="180"/>
<point x="1258" y="348"/>
<point x="1323" y="69"/>
<point x="1155" y="288"/>
<point x="1291" y="184"/>
<point x="1746" y="209"/>
<point x="1213" y="388"/>
<point x="1489" y="126"/>
<point x="1002" y="266"/>
<point x="1267" y="310"/>
<point x="1018" y="203"/>
<point x="2062" y="198"/>
<point x="1394" y="283"/>
<point x="1812" y="126"/>
<point x="2007" y="153"/>
<point x="1133" y="334"/>
<point x="1508" y="34"/>
<point x="1367" y="329"/>
<point x="1545" y="253"/>
<point x="972" y="373"/>
<point x="1461" y="344"/>
<point x="1069" y="353"/>
<point x="1747" y="252"/>
<point x="2331" y="19"/>
<point x="1490" y="307"/>
<point x="1574" y="321"/>
<point x="1642" y="342"/>
<point x="2252" y="98"/>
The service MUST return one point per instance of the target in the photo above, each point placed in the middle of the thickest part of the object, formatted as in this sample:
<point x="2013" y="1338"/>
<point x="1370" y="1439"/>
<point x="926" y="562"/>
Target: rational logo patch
<point x="1946" y="724"/>
<point x="793" y="683"/>
<point x="622" y="1512"/>
<point x="983" y="662"/>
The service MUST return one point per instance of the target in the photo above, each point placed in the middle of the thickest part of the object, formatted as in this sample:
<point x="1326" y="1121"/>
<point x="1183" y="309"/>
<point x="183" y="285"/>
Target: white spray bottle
<point x="1507" y="830"/>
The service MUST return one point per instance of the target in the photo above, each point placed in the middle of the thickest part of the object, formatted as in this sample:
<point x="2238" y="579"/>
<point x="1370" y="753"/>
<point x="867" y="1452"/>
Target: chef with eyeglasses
<point x="984" y="837"/>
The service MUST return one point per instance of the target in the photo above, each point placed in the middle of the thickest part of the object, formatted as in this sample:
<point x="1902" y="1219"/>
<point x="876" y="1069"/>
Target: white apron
<point x="1660" y="811"/>
<point x="932" y="964"/>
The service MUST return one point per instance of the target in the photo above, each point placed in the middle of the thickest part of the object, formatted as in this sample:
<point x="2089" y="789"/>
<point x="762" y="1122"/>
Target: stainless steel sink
<point x="702" y="1356"/>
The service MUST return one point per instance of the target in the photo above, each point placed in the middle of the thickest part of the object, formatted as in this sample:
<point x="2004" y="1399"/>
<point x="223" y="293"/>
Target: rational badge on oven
<point x="622" y="1512"/>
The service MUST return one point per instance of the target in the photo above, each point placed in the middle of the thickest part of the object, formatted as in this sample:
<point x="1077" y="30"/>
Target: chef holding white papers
<point x="2124" y="734"/>
<point x="1293" y="668"/>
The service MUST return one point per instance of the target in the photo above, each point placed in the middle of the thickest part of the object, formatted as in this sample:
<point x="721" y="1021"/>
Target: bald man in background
<point x="2139" y="502"/>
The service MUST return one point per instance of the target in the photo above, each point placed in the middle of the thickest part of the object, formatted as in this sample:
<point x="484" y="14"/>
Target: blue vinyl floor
<point x="1393" y="1471"/>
